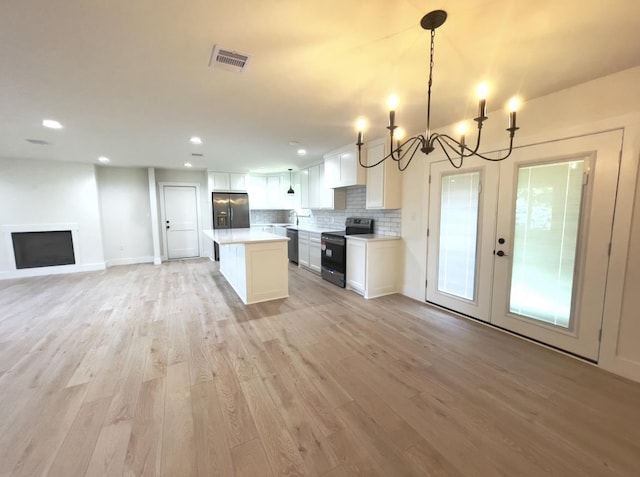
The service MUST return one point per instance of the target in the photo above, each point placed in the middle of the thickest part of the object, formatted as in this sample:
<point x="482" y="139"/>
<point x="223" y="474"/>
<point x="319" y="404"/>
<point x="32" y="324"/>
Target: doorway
<point x="523" y="244"/>
<point x="180" y="212"/>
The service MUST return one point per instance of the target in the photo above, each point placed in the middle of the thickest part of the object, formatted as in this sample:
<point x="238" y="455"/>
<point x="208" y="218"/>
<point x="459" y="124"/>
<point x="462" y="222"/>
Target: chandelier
<point x="456" y="150"/>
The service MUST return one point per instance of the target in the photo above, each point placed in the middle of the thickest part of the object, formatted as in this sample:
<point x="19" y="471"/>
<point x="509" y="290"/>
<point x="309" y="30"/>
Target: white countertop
<point x="231" y="236"/>
<point x="372" y="237"/>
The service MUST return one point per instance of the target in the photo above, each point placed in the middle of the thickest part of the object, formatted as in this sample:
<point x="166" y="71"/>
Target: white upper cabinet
<point x="227" y="181"/>
<point x="238" y="182"/>
<point x="342" y="168"/>
<point x="303" y="192"/>
<point x="383" y="180"/>
<point x="269" y="191"/>
<point x="314" y="192"/>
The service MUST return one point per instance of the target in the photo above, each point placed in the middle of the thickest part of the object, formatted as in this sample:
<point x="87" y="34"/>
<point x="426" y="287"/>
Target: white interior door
<point x="181" y="221"/>
<point x="524" y="243"/>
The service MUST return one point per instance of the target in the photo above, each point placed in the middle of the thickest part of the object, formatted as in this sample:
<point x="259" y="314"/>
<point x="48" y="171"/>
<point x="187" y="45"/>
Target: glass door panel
<point x="547" y="222"/>
<point x="458" y="234"/>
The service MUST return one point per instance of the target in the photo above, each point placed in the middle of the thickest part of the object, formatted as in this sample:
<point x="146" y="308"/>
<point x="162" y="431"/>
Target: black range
<point x="334" y="249"/>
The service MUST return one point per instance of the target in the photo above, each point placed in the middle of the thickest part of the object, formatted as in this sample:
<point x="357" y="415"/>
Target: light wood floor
<point x="144" y="370"/>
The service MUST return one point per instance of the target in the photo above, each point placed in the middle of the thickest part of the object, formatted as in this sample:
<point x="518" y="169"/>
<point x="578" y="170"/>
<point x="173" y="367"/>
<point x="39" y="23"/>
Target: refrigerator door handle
<point x="231" y="216"/>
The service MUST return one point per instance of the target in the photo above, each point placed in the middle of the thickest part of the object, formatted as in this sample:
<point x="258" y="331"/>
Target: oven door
<point x="333" y="259"/>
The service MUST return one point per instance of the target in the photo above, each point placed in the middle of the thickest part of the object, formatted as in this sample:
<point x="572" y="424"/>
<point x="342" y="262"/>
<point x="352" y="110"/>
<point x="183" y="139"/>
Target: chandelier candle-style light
<point x="456" y="150"/>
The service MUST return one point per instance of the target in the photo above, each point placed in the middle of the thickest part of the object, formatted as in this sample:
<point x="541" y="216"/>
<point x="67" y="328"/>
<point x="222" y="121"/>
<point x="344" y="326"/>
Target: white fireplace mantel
<point x="12" y="272"/>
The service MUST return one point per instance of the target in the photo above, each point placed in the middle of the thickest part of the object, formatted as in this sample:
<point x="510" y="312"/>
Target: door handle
<point x="500" y="253"/>
<point x="168" y="226"/>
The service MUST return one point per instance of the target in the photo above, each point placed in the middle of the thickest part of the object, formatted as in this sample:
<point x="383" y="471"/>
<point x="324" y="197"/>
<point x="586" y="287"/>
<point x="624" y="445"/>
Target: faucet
<point x="293" y="213"/>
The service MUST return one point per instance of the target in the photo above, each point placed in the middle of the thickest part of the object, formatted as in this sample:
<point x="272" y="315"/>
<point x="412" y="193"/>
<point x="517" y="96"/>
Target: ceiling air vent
<point x="228" y="60"/>
<point x="40" y="142"/>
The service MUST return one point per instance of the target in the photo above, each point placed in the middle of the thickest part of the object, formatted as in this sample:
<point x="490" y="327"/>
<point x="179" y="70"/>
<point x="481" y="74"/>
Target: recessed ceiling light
<point x="195" y="140"/>
<point x="51" y="123"/>
<point x="104" y="159"/>
<point x="302" y="152"/>
<point x="188" y="164"/>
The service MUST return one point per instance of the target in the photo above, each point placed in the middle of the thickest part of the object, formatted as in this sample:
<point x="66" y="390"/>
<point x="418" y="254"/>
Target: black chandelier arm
<point x="411" y="145"/>
<point x="455" y="146"/>
<point x="416" y="144"/>
<point x="439" y="138"/>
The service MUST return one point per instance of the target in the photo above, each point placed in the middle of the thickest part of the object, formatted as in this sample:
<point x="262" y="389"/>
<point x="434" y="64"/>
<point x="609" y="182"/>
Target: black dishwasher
<point x="293" y="245"/>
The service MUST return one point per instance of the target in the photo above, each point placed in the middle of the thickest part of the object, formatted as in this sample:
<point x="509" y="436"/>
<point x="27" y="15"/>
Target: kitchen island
<point x="255" y="263"/>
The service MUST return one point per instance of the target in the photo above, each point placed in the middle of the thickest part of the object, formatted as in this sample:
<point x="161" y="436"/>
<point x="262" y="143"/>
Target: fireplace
<point x="43" y="249"/>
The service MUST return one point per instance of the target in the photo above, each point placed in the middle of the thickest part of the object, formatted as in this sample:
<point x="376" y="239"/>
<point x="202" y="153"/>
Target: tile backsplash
<point x="269" y="216"/>
<point x="385" y="222"/>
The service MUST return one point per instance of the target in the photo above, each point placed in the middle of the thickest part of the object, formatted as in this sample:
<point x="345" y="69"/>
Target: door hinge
<point x="609" y="251"/>
<point x="600" y="335"/>
<point x="427" y="232"/>
<point x="429" y="178"/>
<point x="425" y="283"/>
<point x="585" y="178"/>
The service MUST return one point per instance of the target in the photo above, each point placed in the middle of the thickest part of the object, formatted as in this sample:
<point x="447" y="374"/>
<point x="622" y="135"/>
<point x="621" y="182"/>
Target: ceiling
<point x="131" y="80"/>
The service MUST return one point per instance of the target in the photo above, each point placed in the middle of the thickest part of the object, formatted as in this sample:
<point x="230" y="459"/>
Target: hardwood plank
<point x="211" y="443"/>
<point x="156" y="365"/>
<point x="75" y="453"/>
<point x="250" y="460"/>
<point x="279" y="446"/>
<point x="312" y="445"/>
<point x="144" y="451"/>
<point x="50" y="428"/>
<point x="199" y="366"/>
<point x="379" y="445"/>
<point x="235" y="411"/>
<point x="313" y="401"/>
<point x="178" y="441"/>
<point x="111" y="449"/>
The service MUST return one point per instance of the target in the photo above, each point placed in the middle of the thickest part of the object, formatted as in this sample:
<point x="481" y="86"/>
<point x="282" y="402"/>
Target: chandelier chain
<point x="433" y="36"/>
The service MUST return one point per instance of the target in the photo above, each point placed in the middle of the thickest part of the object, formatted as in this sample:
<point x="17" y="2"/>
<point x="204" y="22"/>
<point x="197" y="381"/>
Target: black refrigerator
<point x="230" y="211"/>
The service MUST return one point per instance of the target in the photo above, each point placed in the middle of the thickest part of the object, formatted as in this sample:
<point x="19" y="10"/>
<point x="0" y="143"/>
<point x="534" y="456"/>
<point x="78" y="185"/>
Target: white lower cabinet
<point x="309" y="254"/>
<point x="373" y="266"/>
<point x="303" y="249"/>
<point x="315" y="255"/>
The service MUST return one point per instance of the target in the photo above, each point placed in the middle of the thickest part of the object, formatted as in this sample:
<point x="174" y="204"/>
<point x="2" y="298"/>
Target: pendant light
<point x="290" y="191"/>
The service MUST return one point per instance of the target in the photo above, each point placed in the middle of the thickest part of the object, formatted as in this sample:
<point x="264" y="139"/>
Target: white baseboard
<point x="129" y="261"/>
<point x="44" y="271"/>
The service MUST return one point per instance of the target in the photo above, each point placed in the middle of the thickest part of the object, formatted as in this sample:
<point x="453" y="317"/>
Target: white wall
<point x="126" y="215"/>
<point x="605" y="103"/>
<point x="45" y="192"/>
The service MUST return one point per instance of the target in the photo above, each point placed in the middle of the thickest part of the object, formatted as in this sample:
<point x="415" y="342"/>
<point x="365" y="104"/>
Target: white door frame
<point x="163" y="218"/>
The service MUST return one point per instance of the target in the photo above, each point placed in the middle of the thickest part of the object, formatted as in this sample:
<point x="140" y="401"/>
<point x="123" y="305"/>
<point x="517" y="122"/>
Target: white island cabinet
<point x="255" y="263"/>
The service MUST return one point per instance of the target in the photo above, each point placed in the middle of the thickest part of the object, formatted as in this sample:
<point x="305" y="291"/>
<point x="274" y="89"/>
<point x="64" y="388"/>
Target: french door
<point x="524" y="243"/>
